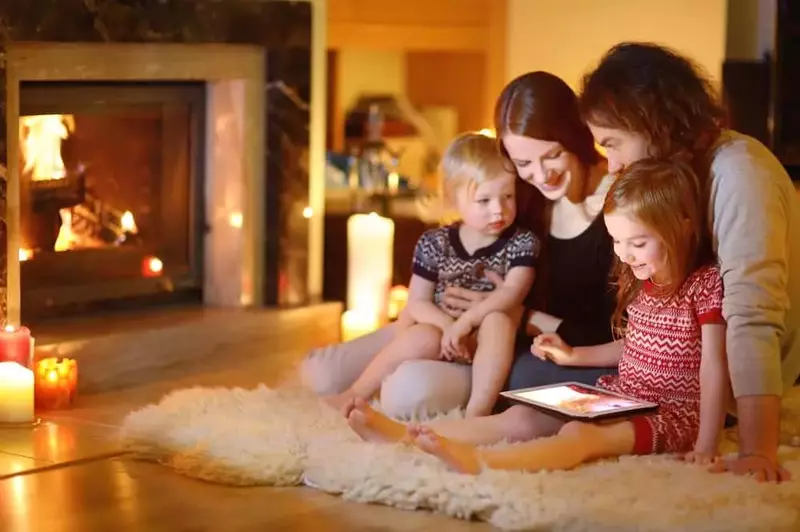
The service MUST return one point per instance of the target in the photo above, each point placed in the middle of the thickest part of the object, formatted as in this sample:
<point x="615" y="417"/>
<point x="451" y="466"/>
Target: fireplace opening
<point x="111" y="195"/>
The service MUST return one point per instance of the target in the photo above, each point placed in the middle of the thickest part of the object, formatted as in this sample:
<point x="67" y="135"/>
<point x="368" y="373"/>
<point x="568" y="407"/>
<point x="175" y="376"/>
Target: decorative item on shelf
<point x="16" y="377"/>
<point x="398" y="298"/>
<point x="56" y="383"/>
<point x="355" y="324"/>
<point x="370" y="242"/>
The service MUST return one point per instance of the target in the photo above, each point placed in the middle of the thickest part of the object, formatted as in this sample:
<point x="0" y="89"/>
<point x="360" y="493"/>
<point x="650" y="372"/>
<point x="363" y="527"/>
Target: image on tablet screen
<point x="578" y="400"/>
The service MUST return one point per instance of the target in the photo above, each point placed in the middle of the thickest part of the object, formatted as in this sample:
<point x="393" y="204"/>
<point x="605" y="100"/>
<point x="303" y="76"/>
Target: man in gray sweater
<point x="643" y="100"/>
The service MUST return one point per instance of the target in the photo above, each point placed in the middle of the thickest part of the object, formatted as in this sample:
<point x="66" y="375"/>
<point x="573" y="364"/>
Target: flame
<point x="41" y="137"/>
<point x="25" y="254"/>
<point x="128" y="223"/>
<point x="66" y="239"/>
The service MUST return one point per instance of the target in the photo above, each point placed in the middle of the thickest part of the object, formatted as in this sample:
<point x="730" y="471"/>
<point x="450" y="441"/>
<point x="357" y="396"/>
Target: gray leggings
<point x="420" y="388"/>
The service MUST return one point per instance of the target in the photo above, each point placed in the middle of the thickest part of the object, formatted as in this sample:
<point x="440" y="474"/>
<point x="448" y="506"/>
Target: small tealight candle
<point x="56" y="382"/>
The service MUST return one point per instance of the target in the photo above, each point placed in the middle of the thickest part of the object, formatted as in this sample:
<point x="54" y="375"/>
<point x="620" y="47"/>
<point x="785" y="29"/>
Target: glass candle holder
<point x="56" y="383"/>
<point x="16" y="376"/>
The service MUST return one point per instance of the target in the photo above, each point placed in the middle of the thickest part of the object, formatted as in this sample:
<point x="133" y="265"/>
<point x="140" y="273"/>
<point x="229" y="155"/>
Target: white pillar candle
<point x="370" y="242"/>
<point x="355" y="324"/>
<point x="16" y="393"/>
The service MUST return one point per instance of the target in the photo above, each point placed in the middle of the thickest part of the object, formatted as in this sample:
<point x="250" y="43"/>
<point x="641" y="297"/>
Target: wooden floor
<point x="68" y="475"/>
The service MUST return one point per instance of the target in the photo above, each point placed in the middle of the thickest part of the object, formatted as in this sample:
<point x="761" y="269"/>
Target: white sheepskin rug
<point x="286" y="437"/>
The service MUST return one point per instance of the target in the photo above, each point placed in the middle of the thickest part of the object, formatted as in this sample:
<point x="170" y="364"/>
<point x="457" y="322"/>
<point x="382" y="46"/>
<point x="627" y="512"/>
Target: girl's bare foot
<point x="373" y="426"/>
<point x="461" y="457"/>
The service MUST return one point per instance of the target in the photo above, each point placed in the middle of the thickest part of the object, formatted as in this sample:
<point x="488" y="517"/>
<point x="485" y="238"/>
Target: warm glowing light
<point x="25" y="254"/>
<point x="41" y="137"/>
<point x="398" y="298"/>
<point x="487" y="132"/>
<point x="66" y="239"/>
<point x="356" y="323"/>
<point x="236" y="219"/>
<point x="308" y="212"/>
<point x="393" y="182"/>
<point x="128" y="223"/>
<point x="152" y="267"/>
<point x="600" y="149"/>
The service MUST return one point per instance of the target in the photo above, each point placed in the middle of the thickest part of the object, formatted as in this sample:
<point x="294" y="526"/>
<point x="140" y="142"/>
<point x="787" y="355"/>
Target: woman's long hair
<point x="542" y="106"/>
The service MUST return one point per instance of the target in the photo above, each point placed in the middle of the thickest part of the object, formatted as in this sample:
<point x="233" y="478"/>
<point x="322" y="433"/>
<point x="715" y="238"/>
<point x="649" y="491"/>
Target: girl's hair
<point x="542" y="106"/>
<point x="653" y="91"/>
<point x="663" y="195"/>
<point x="469" y="160"/>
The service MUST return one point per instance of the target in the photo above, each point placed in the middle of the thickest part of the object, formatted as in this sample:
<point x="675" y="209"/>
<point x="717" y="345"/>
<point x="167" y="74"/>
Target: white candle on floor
<point x="355" y="324"/>
<point x="16" y="393"/>
<point x="370" y="242"/>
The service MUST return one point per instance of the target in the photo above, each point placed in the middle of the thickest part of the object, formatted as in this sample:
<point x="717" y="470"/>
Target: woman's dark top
<point x="578" y="285"/>
<point x="580" y="293"/>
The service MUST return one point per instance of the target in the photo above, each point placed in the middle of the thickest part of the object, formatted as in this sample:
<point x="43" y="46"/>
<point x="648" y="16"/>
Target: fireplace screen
<point x="111" y="193"/>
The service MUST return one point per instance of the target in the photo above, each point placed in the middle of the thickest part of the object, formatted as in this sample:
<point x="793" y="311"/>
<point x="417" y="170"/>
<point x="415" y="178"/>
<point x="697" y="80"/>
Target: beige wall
<point x="567" y="37"/>
<point x="369" y="72"/>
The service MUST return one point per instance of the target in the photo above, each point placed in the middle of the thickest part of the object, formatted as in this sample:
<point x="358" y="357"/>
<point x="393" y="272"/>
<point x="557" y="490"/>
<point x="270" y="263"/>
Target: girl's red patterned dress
<point x="661" y="360"/>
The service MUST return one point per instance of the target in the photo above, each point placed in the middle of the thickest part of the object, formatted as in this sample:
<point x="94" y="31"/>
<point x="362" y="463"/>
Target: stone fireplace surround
<point x="258" y="139"/>
<point x="233" y="262"/>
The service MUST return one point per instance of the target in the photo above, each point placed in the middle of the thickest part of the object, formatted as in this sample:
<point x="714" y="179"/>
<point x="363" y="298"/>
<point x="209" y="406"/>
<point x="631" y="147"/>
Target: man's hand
<point x="762" y="468"/>
<point x="458" y="300"/>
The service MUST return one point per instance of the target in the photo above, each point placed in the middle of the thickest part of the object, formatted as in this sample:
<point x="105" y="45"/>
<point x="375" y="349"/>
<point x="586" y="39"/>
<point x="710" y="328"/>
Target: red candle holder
<point x="56" y="383"/>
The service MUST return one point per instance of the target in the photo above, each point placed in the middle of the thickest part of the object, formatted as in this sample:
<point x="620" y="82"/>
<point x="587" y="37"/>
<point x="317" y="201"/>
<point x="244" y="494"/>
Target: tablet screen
<point x="577" y="399"/>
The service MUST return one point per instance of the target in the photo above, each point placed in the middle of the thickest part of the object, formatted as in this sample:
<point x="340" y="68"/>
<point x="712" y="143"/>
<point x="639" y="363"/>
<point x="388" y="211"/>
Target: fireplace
<point x="111" y="193"/>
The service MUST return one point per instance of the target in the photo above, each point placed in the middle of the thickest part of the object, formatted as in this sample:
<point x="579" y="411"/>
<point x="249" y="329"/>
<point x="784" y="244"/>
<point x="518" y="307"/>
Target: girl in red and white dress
<point x="672" y="353"/>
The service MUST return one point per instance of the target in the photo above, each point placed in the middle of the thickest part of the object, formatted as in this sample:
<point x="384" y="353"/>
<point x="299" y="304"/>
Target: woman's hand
<point x="454" y="341"/>
<point x="550" y="346"/>
<point x="458" y="300"/>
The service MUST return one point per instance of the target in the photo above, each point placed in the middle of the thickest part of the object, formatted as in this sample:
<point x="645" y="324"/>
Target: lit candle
<point x="357" y="323"/>
<point x="16" y="393"/>
<point x="56" y="382"/>
<point x="15" y="345"/>
<point x="370" y="239"/>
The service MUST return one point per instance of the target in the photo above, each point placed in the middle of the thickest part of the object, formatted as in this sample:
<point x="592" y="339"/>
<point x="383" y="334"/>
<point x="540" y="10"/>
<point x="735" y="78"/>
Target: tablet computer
<point x="580" y="401"/>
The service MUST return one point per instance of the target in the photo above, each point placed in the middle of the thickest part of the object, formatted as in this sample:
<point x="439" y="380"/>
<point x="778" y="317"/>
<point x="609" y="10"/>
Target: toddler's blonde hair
<point x="470" y="159"/>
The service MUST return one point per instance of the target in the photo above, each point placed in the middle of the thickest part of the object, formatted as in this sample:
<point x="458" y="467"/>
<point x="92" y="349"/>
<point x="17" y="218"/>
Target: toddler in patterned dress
<point x="673" y="351"/>
<point x="481" y="187"/>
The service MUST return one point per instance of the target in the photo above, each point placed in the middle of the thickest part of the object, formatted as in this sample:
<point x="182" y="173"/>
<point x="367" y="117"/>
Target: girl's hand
<point x="701" y="457"/>
<point x="550" y="346"/>
<point x="453" y="341"/>
<point x="458" y="300"/>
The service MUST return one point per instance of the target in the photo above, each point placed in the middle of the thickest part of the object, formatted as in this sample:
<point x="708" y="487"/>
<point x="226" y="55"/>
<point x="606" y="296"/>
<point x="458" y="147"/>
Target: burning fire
<point x="40" y="138"/>
<point x="41" y="144"/>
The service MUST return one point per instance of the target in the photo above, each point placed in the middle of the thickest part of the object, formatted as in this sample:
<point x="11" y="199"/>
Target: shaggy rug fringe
<point x="285" y="436"/>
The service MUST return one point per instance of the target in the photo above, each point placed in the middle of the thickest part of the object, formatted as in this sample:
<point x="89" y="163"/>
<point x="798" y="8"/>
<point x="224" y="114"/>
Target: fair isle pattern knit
<point x="440" y="257"/>
<point x="661" y="360"/>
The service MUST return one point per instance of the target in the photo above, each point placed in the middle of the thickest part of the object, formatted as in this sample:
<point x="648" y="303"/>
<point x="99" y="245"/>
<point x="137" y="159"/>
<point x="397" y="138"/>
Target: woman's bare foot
<point x="371" y="425"/>
<point x="461" y="457"/>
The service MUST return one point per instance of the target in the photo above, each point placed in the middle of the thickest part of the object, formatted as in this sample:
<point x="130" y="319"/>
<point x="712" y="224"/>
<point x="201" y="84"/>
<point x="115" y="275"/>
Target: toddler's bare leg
<point x="492" y="361"/>
<point x="518" y="423"/>
<point x="575" y="444"/>
<point x="416" y="342"/>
